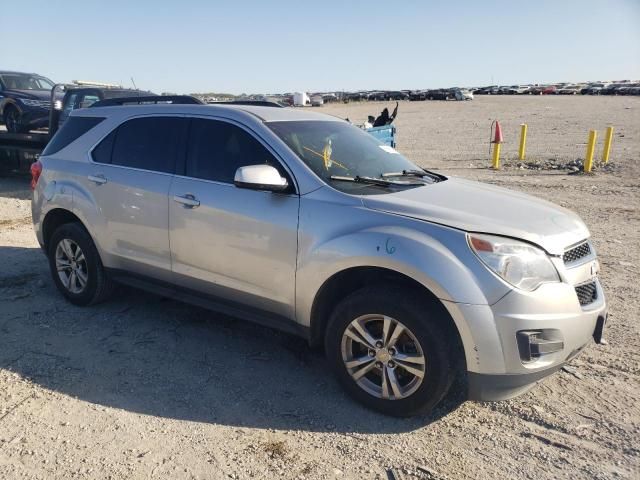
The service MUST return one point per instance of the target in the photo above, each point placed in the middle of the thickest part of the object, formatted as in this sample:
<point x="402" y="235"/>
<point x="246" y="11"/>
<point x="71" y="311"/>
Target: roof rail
<point x="172" y="99"/>
<point x="255" y="103"/>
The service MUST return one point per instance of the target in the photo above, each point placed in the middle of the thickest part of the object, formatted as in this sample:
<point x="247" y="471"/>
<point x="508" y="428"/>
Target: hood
<point x="28" y="94"/>
<point x="478" y="207"/>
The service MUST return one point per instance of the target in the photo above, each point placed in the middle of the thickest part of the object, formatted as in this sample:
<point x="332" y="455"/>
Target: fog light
<point x="532" y="345"/>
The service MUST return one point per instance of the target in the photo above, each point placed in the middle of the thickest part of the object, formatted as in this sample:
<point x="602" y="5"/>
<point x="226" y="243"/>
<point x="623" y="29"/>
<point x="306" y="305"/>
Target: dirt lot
<point x="143" y="387"/>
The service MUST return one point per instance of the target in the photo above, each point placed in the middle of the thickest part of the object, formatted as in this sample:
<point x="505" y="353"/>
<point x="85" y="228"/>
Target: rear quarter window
<point x="71" y="130"/>
<point x="102" y="153"/>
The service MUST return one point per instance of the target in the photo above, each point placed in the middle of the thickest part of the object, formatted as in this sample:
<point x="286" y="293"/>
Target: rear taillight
<point x="36" y="170"/>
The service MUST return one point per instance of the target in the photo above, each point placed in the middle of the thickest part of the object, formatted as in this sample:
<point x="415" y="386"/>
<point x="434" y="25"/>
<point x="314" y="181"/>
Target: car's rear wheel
<point x="76" y="267"/>
<point x="12" y="120"/>
<point x="389" y="351"/>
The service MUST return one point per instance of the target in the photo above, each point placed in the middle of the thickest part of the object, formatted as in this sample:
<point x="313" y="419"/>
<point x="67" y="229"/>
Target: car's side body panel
<point x="238" y="243"/>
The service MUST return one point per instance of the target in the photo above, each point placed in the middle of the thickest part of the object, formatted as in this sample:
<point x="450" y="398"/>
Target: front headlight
<point x="518" y="263"/>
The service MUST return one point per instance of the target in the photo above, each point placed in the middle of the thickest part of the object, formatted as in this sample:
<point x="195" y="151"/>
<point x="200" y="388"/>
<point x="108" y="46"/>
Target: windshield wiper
<point x="374" y="181"/>
<point x="368" y="180"/>
<point x="406" y="173"/>
<point x="415" y="173"/>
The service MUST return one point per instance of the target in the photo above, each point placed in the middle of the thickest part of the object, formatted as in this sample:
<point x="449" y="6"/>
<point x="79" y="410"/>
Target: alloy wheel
<point x="383" y="357"/>
<point x="71" y="266"/>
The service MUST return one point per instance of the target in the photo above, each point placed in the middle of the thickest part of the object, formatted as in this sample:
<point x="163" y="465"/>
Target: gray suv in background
<point x="303" y="222"/>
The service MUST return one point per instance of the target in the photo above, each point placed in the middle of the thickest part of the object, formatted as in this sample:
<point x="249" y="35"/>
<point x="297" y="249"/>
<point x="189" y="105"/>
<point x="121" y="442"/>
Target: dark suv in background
<point x="25" y="99"/>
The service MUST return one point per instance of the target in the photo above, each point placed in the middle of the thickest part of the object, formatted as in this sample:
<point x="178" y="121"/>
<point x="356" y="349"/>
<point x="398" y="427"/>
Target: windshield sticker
<point x="388" y="149"/>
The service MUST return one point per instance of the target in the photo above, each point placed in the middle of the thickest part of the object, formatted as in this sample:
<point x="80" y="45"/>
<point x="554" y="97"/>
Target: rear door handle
<point x="98" y="179"/>
<point x="188" y="200"/>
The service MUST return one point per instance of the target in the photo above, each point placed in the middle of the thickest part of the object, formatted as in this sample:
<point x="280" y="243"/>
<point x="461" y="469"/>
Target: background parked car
<point x="491" y="90"/>
<point x="593" y="89"/>
<point x="418" y="95"/>
<point x="438" y="94"/>
<point x="461" y="94"/>
<point x="25" y="99"/>
<point x="535" y="90"/>
<point x="569" y="90"/>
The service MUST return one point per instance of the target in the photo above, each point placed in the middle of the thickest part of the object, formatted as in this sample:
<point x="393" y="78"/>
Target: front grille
<point x="576" y="253"/>
<point x="587" y="293"/>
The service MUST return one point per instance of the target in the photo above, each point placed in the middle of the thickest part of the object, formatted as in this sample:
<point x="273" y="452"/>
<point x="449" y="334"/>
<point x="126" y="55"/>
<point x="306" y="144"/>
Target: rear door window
<point x="150" y="143"/>
<point x="217" y="149"/>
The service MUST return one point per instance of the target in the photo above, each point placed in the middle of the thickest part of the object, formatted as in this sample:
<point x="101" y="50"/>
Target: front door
<point x="236" y="244"/>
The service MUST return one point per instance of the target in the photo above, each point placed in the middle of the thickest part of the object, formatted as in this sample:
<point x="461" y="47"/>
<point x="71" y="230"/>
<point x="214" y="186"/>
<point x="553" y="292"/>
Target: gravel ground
<point x="144" y="387"/>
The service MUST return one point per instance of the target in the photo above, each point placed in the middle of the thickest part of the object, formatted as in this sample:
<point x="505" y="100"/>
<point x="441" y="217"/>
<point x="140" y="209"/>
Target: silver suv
<point x="303" y="222"/>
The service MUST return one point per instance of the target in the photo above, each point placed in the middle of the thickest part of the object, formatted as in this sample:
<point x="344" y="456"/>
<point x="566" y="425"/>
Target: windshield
<point x="335" y="150"/>
<point x="24" y="81"/>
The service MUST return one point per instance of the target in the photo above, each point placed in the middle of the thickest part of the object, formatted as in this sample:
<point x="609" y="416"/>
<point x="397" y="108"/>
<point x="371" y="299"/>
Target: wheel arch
<point x="54" y="219"/>
<point x="8" y="102"/>
<point x="341" y="284"/>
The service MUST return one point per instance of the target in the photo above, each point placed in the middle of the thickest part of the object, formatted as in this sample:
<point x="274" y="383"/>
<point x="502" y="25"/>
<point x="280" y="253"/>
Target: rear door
<point x="130" y="178"/>
<point x="228" y="242"/>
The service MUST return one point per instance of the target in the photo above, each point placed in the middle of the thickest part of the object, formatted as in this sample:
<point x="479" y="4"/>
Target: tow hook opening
<point x="532" y="344"/>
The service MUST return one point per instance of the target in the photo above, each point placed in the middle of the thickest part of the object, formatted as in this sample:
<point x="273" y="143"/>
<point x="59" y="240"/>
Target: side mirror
<point x="260" y="177"/>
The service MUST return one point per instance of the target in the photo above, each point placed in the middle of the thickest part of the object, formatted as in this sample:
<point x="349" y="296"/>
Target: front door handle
<point x="99" y="179"/>
<point x="188" y="200"/>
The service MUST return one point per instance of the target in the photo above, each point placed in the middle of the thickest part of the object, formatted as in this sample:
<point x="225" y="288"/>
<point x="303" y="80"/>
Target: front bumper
<point x="489" y="388"/>
<point x="499" y="366"/>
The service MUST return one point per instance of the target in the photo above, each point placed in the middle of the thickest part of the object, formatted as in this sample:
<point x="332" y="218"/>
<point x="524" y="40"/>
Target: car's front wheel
<point x="389" y="351"/>
<point x="12" y="120"/>
<point x="76" y="267"/>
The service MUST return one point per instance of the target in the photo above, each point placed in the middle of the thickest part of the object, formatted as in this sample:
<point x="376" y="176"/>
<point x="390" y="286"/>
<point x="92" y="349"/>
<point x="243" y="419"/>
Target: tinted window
<point x="102" y="153"/>
<point x="217" y="149"/>
<point x="88" y="100"/>
<point x="150" y="143"/>
<point x="71" y="130"/>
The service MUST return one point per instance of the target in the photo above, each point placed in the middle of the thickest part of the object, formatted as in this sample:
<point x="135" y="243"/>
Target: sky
<point x="243" y="46"/>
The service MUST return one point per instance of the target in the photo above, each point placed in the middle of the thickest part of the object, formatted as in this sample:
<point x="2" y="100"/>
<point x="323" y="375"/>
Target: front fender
<point x="334" y="238"/>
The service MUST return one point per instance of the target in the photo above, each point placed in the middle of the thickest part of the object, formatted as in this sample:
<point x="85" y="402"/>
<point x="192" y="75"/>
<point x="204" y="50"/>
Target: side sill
<point x="216" y="304"/>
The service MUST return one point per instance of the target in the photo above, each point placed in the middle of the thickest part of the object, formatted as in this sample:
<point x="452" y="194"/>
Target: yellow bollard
<point x="591" y="146"/>
<point x="496" y="156"/>
<point x="523" y="141"/>
<point x="607" y="145"/>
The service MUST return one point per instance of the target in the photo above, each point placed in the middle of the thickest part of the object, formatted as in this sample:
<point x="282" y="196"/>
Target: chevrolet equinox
<point x="303" y="222"/>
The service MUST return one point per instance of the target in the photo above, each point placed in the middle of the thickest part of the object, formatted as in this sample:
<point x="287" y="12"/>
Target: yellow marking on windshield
<point x="326" y="157"/>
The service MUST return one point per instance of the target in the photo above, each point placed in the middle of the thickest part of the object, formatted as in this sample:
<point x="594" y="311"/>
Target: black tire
<point x="11" y="120"/>
<point x="424" y="321"/>
<point x="98" y="285"/>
